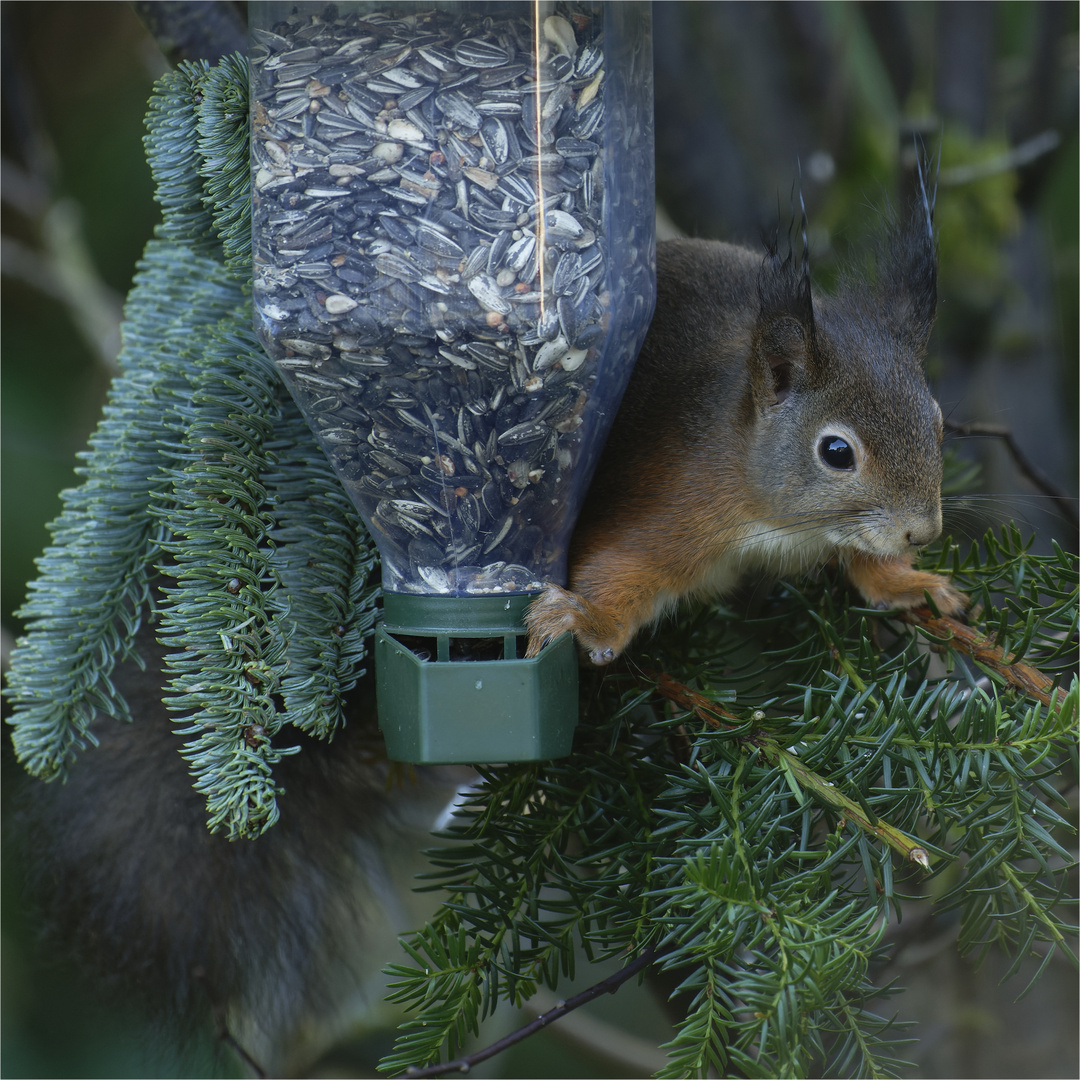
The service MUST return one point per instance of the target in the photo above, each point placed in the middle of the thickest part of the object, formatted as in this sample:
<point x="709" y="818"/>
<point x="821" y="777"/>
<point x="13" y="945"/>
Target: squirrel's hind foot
<point x="557" y="610"/>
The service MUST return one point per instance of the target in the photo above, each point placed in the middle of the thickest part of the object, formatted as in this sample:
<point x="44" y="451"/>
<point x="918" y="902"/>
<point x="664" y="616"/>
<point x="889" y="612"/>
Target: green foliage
<point x="752" y="797"/>
<point x="93" y="589"/>
<point x="172" y="149"/>
<point x="224" y="159"/>
<point x="759" y="833"/>
<point x="329" y="573"/>
<point x="203" y="471"/>
<point x="230" y="652"/>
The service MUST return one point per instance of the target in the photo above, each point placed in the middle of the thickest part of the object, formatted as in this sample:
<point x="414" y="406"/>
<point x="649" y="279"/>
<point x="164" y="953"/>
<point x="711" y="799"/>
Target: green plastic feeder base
<point x="453" y="690"/>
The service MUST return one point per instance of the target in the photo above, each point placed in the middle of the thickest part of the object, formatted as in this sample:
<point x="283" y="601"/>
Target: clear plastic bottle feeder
<point x="454" y="269"/>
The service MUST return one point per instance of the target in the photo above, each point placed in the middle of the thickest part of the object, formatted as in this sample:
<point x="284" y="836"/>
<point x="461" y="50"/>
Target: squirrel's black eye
<point x="836" y="452"/>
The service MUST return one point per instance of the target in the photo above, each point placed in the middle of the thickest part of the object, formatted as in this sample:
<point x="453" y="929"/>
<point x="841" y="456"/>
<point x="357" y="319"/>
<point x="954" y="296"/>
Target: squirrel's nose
<point x="923" y="529"/>
<point x="924" y="535"/>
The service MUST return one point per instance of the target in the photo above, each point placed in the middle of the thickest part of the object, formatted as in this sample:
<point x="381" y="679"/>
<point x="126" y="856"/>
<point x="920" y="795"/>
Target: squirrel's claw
<point x="552" y="613"/>
<point x="556" y="611"/>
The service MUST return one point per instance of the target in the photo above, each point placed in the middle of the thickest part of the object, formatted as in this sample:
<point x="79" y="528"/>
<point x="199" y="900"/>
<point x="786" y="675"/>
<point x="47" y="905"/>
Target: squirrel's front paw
<point x="557" y="610"/>
<point x="894" y="583"/>
<point x="947" y="599"/>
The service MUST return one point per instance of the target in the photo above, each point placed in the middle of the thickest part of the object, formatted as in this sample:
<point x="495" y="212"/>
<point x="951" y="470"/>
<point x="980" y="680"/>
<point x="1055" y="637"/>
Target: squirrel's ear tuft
<point x="784" y="290"/>
<point x="784" y="282"/>
<point x="784" y="333"/>
<point x="908" y="279"/>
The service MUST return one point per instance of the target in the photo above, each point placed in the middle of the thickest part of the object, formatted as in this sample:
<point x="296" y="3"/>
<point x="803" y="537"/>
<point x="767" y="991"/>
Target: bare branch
<point x="1018" y="156"/>
<point x="1062" y="499"/>
<point x="221" y="1027"/>
<point x="605" y="986"/>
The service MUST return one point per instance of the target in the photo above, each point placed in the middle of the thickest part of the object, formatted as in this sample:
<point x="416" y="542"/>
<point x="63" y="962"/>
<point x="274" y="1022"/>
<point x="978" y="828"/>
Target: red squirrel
<point x="764" y="431"/>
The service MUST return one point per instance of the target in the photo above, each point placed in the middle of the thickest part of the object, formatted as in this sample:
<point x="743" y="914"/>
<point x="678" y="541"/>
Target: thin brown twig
<point x="982" y="650"/>
<point x="1061" y="498"/>
<point x="712" y="712"/>
<point x="605" y="986"/>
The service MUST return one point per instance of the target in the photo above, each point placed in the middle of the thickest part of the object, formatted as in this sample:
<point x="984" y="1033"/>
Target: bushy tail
<point x="259" y="934"/>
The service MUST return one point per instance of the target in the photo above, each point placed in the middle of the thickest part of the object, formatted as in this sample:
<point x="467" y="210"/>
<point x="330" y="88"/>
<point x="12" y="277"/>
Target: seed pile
<point x="444" y="261"/>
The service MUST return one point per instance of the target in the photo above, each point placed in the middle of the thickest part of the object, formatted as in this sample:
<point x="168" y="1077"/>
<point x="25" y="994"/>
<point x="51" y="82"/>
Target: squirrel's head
<point x="847" y="437"/>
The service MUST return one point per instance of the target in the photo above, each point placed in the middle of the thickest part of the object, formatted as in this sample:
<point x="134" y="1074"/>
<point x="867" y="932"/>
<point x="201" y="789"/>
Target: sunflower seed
<point x="437" y="242"/>
<point x="474" y="52"/>
<point x="459" y="113"/>
<point x="485" y="290"/>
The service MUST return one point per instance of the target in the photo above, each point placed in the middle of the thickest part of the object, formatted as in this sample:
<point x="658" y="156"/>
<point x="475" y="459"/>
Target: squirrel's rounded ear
<point x="782" y="344"/>
<point x="784" y="332"/>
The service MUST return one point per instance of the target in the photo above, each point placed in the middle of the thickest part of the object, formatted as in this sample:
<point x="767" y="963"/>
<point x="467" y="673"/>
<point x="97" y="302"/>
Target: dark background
<point x="746" y="94"/>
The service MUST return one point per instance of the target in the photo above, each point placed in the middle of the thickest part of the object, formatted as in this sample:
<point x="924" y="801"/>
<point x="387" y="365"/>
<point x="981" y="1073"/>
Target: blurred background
<point x="747" y="96"/>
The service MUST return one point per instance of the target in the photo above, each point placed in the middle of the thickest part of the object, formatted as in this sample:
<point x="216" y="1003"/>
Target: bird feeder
<point x="454" y="269"/>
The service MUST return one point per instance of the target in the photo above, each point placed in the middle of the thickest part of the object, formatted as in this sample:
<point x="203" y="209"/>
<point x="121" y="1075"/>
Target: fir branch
<point x="727" y="844"/>
<point x="501" y="929"/>
<point x="1027" y="603"/>
<point x="172" y="151"/>
<point x="328" y="570"/>
<point x="92" y="590"/>
<point x="451" y="995"/>
<point x="225" y="677"/>
<point x="800" y="777"/>
<point x="776" y="960"/>
<point x="943" y="630"/>
<point x="274" y="592"/>
<point x="224" y="158"/>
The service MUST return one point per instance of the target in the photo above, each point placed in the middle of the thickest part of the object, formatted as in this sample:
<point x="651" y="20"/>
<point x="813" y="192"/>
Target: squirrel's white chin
<point x="879" y="547"/>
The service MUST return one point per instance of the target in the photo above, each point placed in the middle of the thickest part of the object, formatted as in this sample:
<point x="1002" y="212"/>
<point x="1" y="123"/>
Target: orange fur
<point x="714" y="468"/>
<point x="893" y="583"/>
<point x="617" y="582"/>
